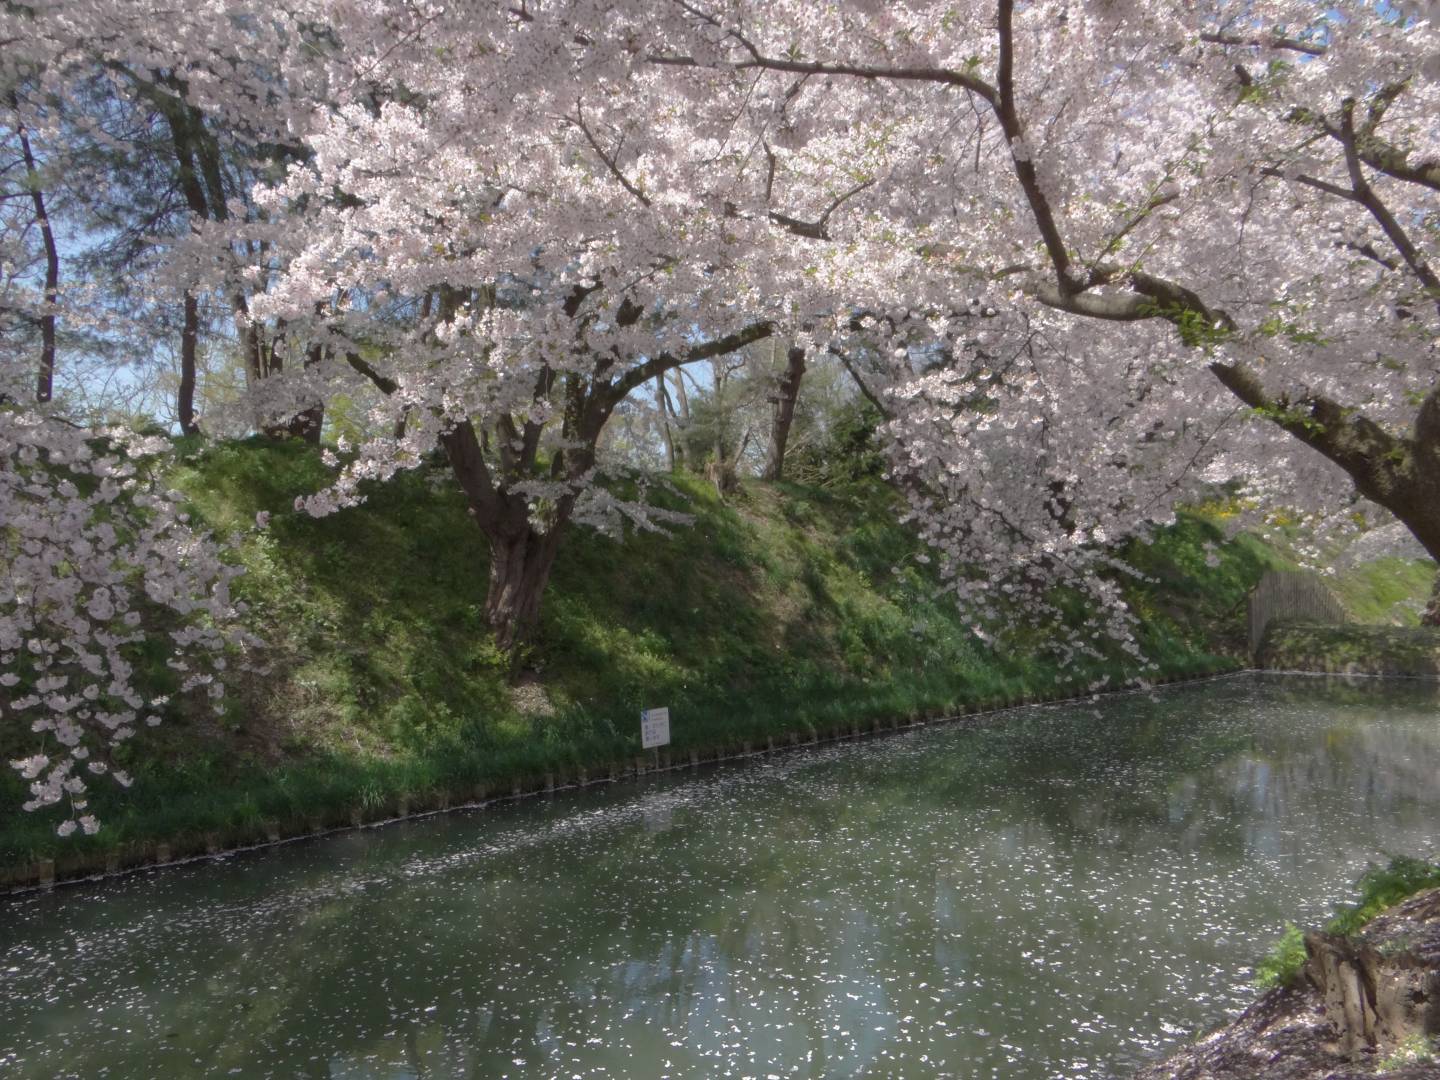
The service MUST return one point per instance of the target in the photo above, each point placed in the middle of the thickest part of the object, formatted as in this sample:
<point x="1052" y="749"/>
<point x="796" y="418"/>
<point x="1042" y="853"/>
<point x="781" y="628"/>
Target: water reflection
<point x="1062" y="894"/>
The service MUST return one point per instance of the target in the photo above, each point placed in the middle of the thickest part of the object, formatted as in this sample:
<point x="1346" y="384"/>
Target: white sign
<point x="654" y="727"/>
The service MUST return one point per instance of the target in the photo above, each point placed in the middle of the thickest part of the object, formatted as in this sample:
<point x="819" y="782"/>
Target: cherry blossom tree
<point x="1113" y="250"/>
<point x="1247" y="189"/>
<point x="424" y="244"/>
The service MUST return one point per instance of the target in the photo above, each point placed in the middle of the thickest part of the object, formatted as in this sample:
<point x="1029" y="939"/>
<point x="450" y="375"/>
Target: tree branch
<point x="657" y="365"/>
<point x="383" y="383"/>
<point x="1351" y="440"/>
<point x="1009" y="117"/>
<point x="942" y="76"/>
<point x="1366" y="196"/>
<point x="1274" y="41"/>
<point x="1311" y="182"/>
<point x="578" y="120"/>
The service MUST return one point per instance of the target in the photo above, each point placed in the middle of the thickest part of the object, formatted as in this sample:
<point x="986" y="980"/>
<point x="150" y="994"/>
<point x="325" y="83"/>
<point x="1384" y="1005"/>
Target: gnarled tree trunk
<point x="520" y="567"/>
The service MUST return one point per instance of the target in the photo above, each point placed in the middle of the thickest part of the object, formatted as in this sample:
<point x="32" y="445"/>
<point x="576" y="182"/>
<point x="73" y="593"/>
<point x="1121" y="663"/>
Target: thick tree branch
<point x="383" y="383"/>
<point x="1368" y="453"/>
<point x="1427" y="426"/>
<point x="1022" y="155"/>
<point x="1374" y="151"/>
<point x="1384" y="158"/>
<point x="663" y="362"/>
<point x="1146" y="297"/>
<point x="467" y="462"/>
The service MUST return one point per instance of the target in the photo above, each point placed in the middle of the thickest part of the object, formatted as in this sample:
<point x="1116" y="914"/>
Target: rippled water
<point x="1063" y="892"/>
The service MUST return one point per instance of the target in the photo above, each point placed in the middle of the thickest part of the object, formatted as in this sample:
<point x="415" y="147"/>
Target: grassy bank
<point x="782" y="612"/>
<point x="1352" y="649"/>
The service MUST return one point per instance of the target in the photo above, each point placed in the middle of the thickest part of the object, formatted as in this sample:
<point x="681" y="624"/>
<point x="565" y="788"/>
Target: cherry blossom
<point x="1092" y="260"/>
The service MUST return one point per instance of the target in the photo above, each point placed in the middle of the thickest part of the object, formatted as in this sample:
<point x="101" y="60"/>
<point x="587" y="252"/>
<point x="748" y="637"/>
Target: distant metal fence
<point x="1290" y="594"/>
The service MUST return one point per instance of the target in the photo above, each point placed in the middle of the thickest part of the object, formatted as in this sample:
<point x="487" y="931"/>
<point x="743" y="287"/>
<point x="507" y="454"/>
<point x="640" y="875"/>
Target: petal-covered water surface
<point x="1061" y="892"/>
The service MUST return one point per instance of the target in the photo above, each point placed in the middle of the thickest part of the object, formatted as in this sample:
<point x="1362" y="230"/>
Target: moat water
<point x="1057" y="892"/>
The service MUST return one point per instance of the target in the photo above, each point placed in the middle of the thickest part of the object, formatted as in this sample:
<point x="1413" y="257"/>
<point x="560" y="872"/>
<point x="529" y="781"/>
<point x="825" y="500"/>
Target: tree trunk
<point x="45" y="378"/>
<point x="307" y="425"/>
<point x="720" y="375"/>
<point x="520" y="566"/>
<point x="681" y="412"/>
<point x="662" y="406"/>
<point x="784" y="414"/>
<point x="680" y="397"/>
<point x="521" y="557"/>
<point x="189" y="344"/>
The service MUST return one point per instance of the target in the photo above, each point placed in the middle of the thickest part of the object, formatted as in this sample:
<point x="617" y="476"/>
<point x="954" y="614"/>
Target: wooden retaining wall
<point x="1291" y="594"/>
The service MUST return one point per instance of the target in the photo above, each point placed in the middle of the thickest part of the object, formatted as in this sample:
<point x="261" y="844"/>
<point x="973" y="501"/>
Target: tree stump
<point x="1377" y="998"/>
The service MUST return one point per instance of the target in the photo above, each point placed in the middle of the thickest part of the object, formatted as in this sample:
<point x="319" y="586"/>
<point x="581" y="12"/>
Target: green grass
<point x="783" y="610"/>
<point x="1387" y="591"/>
<point x="1380" y="888"/>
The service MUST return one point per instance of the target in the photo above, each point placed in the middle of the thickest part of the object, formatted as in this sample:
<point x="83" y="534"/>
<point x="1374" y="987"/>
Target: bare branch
<point x="578" y="120"/>
<point x="1366" y="196"/>
<point x="1275" y="41"/>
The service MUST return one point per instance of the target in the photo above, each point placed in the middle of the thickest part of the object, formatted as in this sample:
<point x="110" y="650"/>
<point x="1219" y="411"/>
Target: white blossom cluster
<point x="95" y="561"/>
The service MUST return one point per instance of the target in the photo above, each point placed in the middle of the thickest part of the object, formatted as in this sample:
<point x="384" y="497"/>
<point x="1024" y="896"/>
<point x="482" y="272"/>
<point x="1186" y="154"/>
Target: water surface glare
<point x="1064" y="892"/>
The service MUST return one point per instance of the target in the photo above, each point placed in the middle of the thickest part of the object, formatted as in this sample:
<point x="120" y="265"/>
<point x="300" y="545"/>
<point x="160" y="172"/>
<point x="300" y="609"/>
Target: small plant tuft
<point x="1415" y="1050"/>
<point x="1380" y="887"/>
<point x="1383" y="887"/>
<point x="1283" y="962"/>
